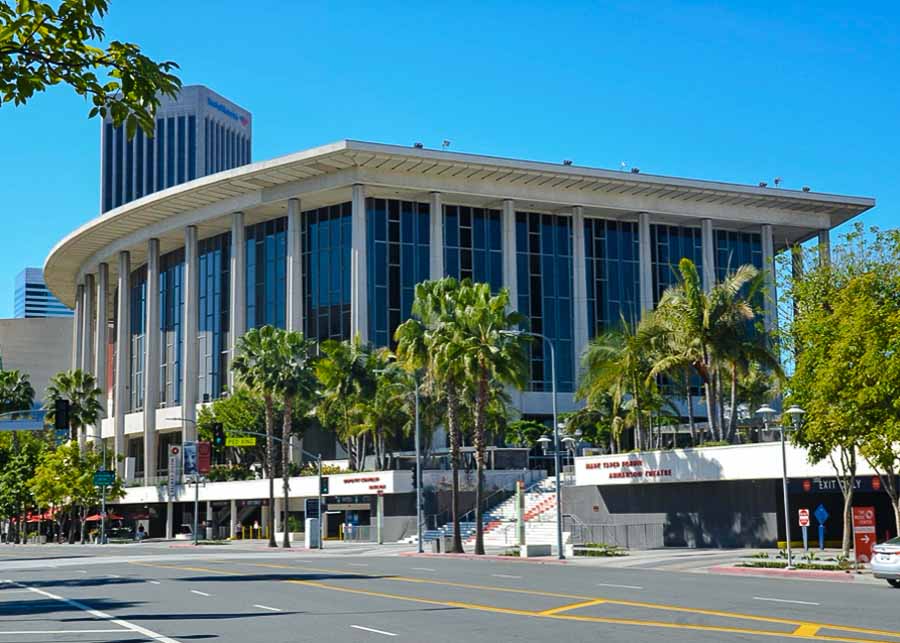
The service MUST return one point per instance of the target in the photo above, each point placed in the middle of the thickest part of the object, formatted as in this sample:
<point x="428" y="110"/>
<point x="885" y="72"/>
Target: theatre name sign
<point x="628" y="468"/>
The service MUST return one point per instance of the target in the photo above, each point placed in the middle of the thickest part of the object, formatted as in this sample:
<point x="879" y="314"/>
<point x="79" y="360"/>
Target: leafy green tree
<point x="42" y="45"/>
<point x="80" y="388"/>
<point x="242" y="410"/>
<point x="64" y="480"/>
<point x="16" y="393"/>
<point x="19" y="456"/>
<point x="256" y="365"/>
<point x="346" y="374"/>
<point x="524" y="433"/>
<point x="418" y="341"/>
<point x="387" y="413"/>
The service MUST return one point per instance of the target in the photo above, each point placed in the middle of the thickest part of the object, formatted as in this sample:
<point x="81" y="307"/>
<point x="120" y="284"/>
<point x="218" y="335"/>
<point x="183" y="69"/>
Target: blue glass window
<point x="182" y="144"/>
<point x="171" y="315"/>
<point x="160" y="154"/>
<point x="214" y="255"/>
<point x="129" y="170"/>
<point x="266" y="271"/>
<point x="192" y="148"/>
<point x="473" y="245"/>
<point x="170" y="152"/>
<point x="734" y="249"/>
<point x="207" y="145"/>
<point x="139" y="164"/>
<point x="148" y="178"/>
<point x="398" y="259"/>
<point x="669" y="245"/>
<point x="138" y="284"/>
<point x="108" y="166"/>
<point x="118" y="163"/>
<point x="326" y="271"/>
<point x="544" y="269"/>
<point x="611" y="252"/>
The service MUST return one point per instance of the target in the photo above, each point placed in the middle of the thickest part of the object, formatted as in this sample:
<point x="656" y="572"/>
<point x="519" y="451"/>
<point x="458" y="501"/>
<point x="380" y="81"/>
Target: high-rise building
<point x="196" y="134"/>
<point x="34" y="299"/>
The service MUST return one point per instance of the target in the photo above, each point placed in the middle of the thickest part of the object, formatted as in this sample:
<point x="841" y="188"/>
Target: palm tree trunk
<point x="690" y="410"/>
<point x="285" y="474"/>
<point x="453" y="430"/>
<point x="732" y="423"/>
<point x="720" y="407"/>
<point x="270" y="463"/>
<point x="480" y="406"/>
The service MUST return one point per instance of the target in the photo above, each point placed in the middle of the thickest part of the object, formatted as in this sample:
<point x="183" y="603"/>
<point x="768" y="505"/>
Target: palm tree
<point x="345" y="371"/>
<point x="483" y="342"/>
<point x="255" y="365"/>
<point x="418" y="341"/>
<point x="296" y="384"/>
<point x="80" y="388"/>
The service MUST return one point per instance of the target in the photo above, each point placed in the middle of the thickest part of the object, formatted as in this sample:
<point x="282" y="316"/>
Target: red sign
<point x="804" y="517"/>
<point x="204" y="457"/>
<point x="807" y="485"/>
<point x="876" y="484"/>
<point x="863" y="533"/>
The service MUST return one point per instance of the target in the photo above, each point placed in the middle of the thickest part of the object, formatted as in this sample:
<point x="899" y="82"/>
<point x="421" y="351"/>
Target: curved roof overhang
<point x="326" y="174"/>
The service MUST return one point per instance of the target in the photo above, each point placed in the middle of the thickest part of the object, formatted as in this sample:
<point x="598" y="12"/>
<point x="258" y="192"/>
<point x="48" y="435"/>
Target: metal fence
<point x="638" y="535"/>
<point x="356" y="534"/>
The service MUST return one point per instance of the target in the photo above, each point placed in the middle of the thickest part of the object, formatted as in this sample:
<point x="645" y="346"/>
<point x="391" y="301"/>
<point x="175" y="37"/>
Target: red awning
<point x="109" y="516"/>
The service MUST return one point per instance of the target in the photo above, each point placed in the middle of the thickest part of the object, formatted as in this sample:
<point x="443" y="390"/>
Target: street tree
<point x="42" y="45"/>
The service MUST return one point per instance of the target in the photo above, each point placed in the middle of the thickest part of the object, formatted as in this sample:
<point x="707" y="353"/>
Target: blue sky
<point x="745" y="92"/>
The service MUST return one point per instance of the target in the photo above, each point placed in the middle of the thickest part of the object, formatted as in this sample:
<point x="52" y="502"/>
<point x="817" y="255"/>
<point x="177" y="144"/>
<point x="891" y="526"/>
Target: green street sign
<point x="240" y="442"/>
<point x="104" y="478"/>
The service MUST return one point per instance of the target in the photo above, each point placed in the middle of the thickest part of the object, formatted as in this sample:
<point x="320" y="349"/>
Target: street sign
<point x="174" y="461"/>
<point x="104" y="478"/>
<point x="804" y="517"/>
<point x="312" y="507"/>
<point x="240" y="442"/>
<point x="863" y="533"/>
<point x="821" y="514"/>
<point x="204" y="457"/>
<point x="189" y="450"/>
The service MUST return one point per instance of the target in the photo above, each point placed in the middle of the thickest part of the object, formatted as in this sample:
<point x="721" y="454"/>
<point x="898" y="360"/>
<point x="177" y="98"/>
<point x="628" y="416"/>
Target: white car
<point x="886" y="561"/>
<point x="184" y="532"/>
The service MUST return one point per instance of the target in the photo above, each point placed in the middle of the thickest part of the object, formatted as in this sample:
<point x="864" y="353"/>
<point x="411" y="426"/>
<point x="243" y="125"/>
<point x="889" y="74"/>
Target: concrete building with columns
<point x="332" y="240"/>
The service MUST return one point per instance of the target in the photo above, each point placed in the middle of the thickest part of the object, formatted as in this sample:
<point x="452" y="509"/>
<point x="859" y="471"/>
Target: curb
<point x="511" y="559"/>
<point x="835" y="577"/>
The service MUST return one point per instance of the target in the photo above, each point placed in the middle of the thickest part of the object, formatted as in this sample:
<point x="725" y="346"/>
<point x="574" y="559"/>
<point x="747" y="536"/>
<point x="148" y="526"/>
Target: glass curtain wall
<point x="544" y="270"/>
<point x="669" y="244"/>
<point x="611" y="251"/>
<point x="326" y="272"/>
<point x="266" y="249"/>
<point x="138" y="281"/>
<point x="398" y="259"/>
<point x="473" y="249"/>
<point x="214" y="255"/>
<point x="171" y="318"/>
<point x="734" y="249"/>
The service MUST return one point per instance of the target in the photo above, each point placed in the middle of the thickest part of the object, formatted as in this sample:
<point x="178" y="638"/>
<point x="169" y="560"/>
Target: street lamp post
<point x="556" y="456"/>
<point x="767" y="411"/>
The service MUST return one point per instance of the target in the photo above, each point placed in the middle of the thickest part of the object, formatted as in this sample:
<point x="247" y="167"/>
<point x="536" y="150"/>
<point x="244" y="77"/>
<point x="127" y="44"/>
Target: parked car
<point x="184" y="532"/>
<point x="886" y="561"/>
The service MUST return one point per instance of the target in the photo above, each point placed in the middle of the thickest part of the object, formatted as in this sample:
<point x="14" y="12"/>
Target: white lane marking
<point x="504" y="576"/>
<point x="266" y="607"/>
<point x="97" y="613"/>
<point x="81" y="571"/>
<point x="783" y="600"/>
<point x="619" y="586"/>
<point x="197" y="591"/>
<point x="20" y="632"/>
<point x="153" y="582"/>
<point x="358" y="564"/>
<point x="369" y="629"/>
<point x="424" y="569"/>
<point x="113" y="576"/>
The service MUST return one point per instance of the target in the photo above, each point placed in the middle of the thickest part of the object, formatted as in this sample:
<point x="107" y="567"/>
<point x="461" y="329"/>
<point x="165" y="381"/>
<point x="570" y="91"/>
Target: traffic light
<point x="415" y="478"/>
<point x="61" y="416"/>
<point x="218" y="435"/>
<point x="323" y="486"/>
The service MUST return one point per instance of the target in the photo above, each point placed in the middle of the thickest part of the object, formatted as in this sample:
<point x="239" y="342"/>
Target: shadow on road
<point x="25" y="607"/>
<point x="82" y="582"/>
<point x="278" y="576"/>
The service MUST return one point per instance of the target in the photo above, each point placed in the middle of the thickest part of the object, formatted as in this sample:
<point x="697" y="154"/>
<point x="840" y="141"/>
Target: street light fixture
<point x="556" y="454"/>
<point x="767" y="411"/>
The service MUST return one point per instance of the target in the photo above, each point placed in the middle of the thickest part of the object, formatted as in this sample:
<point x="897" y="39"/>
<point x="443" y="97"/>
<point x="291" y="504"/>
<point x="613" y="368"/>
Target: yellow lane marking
<point x="190" y="569"/>
<point x="807" y="629"/>
<point x="572" y="606"/>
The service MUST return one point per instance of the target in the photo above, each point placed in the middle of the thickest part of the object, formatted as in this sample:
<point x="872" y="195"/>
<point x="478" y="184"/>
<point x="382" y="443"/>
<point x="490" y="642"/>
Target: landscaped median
<point x="834" y="568"/>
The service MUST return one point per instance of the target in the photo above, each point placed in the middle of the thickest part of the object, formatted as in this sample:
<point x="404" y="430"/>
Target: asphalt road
<point x="146" y="592"/>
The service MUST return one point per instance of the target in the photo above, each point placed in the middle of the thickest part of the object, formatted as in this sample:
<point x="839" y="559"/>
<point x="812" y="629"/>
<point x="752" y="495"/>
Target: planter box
<point x="532" y="551"/>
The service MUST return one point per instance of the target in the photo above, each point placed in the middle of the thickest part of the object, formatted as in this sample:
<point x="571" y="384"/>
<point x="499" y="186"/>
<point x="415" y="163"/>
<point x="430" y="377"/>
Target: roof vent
<point x="445" y="144"/>
<point x="418" y="145"/>
<point x="805" y="188"/>
<point x="763" y="184"/>
<point x="778" y="181"/>
<point x="635" y="170"/>
<point x="567" y="162"/>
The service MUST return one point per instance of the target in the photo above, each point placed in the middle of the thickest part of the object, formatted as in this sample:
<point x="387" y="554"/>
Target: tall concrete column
<point x="436" y="240"/>
<point x="579" y="285"/>
<point x="294" y="295"/>
<point x="101" y="338"/>
<point x="770" y="310"/>
<point x="359" y="307"/>
<point x="510" y="273"/>
<point x="190" y="331"/>
<point x="824" y="247"/>
<point x="151" y="358"/>
<point x="77" y="327"/>
<point x="87" y="325"/>
<point x="238" y="301"/>
<point x="708" y="241"/>
<point x="123" y="355"/>
<point x="232" y="519"/>
<point x="645" y="255"/>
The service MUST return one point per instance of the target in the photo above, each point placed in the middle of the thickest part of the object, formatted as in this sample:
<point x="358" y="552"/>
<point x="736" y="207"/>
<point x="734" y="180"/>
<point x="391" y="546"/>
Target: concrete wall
<point x="40" y="347"/>
<point x="714" y="514"/>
